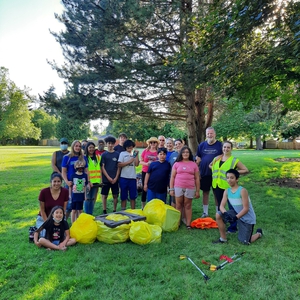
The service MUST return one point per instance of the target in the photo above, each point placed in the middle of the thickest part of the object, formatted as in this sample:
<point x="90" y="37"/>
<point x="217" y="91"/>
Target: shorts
<point x="245" y="230"/>
<point x="107" y="186"/>
<point x="205" y="183"/>
<point x="78" y="205"/>
<point x="56" y="242"/>
<point x="128" y="186"/>
<point x="153" y="195"/>
<point x="188" y="193"/>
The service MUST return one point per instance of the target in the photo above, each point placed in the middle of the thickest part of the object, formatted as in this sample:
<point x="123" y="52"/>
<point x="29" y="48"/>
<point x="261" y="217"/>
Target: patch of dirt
<point x="289" y="159"/>
<point x="286" y="182"/>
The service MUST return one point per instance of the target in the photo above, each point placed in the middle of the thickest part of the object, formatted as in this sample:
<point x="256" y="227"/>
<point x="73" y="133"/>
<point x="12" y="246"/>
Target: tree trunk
<point x="258" y="143"/>
<point x="251" y="142"/>
<point x="191" y="121"/>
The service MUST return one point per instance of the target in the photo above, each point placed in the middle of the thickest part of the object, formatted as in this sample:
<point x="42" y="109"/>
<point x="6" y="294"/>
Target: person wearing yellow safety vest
<point x="94" y="172"/>
<point x="219" y="166"/>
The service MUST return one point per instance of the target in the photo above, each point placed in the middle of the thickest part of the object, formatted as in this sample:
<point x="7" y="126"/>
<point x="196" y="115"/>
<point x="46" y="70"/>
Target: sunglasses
<point x="162" y="140"/>
<point x="153" y="142"/>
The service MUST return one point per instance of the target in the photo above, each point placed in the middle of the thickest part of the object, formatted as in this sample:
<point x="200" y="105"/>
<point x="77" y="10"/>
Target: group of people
<point x="167" y="165"/>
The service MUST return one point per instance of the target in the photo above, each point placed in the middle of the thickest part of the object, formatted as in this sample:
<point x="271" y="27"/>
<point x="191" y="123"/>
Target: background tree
<point x="45" y="122"/>
<point x="15" y="117"/>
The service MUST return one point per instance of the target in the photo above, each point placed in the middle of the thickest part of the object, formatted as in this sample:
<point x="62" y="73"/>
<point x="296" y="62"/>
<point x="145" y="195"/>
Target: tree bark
<point x="258" y="143"/>
<point x="191" y="121"/>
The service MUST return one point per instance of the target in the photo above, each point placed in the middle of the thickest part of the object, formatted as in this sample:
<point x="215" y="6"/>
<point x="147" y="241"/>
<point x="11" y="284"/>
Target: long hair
<point x="86" y="152"/>
<point x="49" y="224"/>
<point x="72" y="152"/>
<point x="179" y="157"/>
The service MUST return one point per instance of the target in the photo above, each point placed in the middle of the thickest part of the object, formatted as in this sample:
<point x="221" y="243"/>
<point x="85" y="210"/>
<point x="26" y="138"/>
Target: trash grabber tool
<point x="190" y="260"/>
<point x="221" y="266"/>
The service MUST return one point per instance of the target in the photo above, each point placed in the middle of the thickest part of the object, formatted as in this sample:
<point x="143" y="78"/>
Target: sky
<point x="26" y="43"/>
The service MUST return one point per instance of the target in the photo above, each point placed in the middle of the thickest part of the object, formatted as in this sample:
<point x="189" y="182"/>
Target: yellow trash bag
<point x="84" y="229"/>
<point x="136" y="211"/>
<point x="116" y="217"/>
<point x="172" y="219"/>
<point x="155" y="212"/>
<point x="142" y="233"/>
<point x="119" y="234"/>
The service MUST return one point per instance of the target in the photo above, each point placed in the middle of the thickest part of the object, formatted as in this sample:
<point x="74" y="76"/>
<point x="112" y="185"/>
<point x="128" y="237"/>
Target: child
<point x="242" y="211"/>
<point x="157" y="177"/>
<point x="78" y="190"/>
<point x="110" y="173"/>
<point x="57" y="235"/>
<point x="127" y="161"/>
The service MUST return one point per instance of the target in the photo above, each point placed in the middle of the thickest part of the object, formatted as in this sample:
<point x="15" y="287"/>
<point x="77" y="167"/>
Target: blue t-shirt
<point x="159" y="176"/>
<point x="110" y="162"/>
<point x="169" y="153"/>
<point x="68" y="162"/>
<point x="173" y="158"/>
<point x="207" y="153"/>
<point x="79" y="183"/>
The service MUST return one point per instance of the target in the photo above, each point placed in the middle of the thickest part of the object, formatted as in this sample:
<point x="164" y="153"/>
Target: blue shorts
<point x="153" y="195"/>
<point x="128" y="186"/>
<point x="56" y="242"/>
<point x="107" y="186"/>
<point x="78" y="205"/>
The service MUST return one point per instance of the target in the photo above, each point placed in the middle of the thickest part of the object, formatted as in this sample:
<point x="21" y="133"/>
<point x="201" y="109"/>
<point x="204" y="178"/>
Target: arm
<point x="105" y="173"/>
<point x="117" y="175"/>
<point x="223" y="202"/>
<point x="146" y="182"/>
<point x="64" y="175"/>
<point x="198" y="160"/>
<point x="245" y="200"/>
<point x="67" y="237"/>
<point x="242" y="168"/>
<point x="197" y="183"/>
<point x="53" y="163"/>
<point x="143" y="162"/>
<point x="136" y="159"/>
<point x="123" y="164"/>
<point x="172" y="180"/>
<point x="42" y="210"/>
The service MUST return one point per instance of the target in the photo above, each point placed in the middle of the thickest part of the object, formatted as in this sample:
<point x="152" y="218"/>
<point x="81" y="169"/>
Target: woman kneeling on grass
<point x="57" y="235"/>
<point x="185" y="183"/>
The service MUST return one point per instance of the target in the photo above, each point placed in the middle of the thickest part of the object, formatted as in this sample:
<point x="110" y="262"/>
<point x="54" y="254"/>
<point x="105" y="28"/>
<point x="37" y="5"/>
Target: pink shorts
<point x="188" y="193"/>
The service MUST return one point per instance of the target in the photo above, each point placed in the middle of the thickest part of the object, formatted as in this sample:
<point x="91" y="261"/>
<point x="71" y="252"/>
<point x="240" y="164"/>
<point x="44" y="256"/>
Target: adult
<point x="67" y="168"/>
<point x="122" y="138"/>
<point x="50" y="197"/>
<point x="110" y="173"/>
<point x="178" y="146"/>
<point x="185" y="182"/>
<point x="206" y="152"/>
<point x="128" y="161"/>
<point x="161" y="141"/>
<point x="57" y="156"/>
<point x="94" y="172"/>
<point x="170" y="148"/>
<point x="220" y="165"/>
<point x="83" y="144"/>
<point x="101" y="145"/>
<point x="147" y="157"/>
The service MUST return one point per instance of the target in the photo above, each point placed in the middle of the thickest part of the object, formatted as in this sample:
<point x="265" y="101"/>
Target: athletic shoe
<point x="259" y="230"/>
<point x="204" y="215"/>
<point x="219" y="242"/>
<point x="230" y="232"/>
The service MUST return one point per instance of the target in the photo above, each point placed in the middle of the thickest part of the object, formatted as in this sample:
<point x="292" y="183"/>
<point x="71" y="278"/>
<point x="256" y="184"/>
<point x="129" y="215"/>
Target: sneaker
<point x="204" y="215"/>
<point x="219" y="242"/>
<point x="230" y="232"/>
<point x="259" y="230"/>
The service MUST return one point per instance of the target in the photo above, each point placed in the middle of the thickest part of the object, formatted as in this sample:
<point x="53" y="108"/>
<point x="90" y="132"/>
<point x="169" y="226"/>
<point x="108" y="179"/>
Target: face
<point x="58" y="214"/>
<point x="227" y="148"/>
<point x="77" y="147"/>
<point x="153" y="144"/>
<point x="129" y="149"/>
<point x="210" y="136"/>
<point x="91" y="149"/>
<point x="161" y="141"/>
<point x="178" y="145"/>
<point x="122" y="139"/>
<point x="170" y="145"/>
<point x="110" y="146"/>
<point x="100" y="146"/>
<point x="161" y="156"/>
<point x="231" y="179"/>
<point x="186" y="154"/>
<point x="56" y="183"/>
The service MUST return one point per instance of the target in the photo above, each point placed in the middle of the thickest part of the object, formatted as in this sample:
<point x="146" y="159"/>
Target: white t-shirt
<point x="129" y="170"/>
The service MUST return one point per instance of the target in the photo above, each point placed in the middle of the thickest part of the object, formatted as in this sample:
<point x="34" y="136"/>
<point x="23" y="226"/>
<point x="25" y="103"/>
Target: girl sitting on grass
<point x="57" y="235"/>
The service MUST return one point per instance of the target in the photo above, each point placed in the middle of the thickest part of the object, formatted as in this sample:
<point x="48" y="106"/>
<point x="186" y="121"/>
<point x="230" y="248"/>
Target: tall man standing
<point x="206" y="152"/>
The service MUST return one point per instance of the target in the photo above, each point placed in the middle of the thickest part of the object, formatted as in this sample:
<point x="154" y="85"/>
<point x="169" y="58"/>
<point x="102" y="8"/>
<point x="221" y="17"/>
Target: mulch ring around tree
<point x="286" y="182"/>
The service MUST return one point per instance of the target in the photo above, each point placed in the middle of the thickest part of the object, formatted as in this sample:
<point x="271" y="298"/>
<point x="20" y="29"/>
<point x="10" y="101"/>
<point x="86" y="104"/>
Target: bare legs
<point x="185" y="204"/>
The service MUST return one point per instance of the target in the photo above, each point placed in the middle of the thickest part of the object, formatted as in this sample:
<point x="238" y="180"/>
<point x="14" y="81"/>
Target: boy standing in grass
<point x="242" y="211"/>
<point x="110" y="173"/>
<point x="78" y="190"/>
<point x="157" y="177"/>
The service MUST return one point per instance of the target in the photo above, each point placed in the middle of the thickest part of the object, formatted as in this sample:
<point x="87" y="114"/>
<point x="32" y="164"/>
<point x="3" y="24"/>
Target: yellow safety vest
<point x="94" y="169"/>
<point x="219" y="173"/>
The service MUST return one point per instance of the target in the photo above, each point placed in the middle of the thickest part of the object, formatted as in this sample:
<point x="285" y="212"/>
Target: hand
<point x="38" y="244"/>
<point x="197" y="195"/>
<point x="145" y="188"/>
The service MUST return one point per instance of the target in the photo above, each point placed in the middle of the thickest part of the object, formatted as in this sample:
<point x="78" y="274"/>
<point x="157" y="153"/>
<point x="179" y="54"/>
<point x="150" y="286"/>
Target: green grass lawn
<point x="268" y="270"/>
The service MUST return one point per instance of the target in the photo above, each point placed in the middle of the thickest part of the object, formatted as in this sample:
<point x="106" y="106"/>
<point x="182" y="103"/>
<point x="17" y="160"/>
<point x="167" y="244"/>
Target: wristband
<point x="171" y="189"/>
